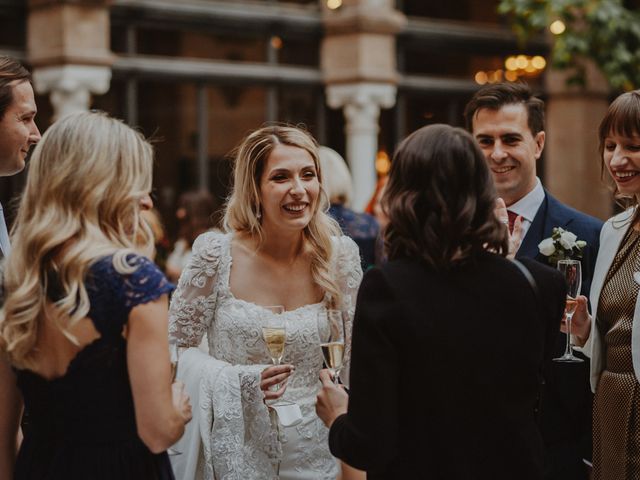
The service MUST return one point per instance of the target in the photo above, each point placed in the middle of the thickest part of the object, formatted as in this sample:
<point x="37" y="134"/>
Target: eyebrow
<point x="283" y="169"/>
<point x="31" y="111"/>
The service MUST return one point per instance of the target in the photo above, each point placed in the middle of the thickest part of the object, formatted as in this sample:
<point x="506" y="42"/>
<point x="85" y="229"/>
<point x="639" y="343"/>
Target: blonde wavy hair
<point x="243" y="209"/>
<point x="81" y="202"/>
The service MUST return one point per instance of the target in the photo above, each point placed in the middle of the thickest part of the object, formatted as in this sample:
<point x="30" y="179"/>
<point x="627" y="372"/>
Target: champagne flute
<point x="572" y="271"/>
<point x="274" y="333"/>
<point x="331" y="333"/>
<point x="174" y="356"/>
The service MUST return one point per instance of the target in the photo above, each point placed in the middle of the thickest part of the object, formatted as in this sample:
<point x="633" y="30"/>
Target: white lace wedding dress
<point x="244" y="442"/>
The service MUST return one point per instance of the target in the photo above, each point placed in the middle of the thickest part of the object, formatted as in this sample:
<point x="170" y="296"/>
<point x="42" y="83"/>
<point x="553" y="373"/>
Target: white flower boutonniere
<point x="561" y="245"/>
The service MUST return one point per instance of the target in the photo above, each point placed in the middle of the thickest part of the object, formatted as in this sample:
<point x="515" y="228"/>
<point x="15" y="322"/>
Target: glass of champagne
<point x="274" y="333"/>
<point x="331" y="333"/>
<point x="174" y="356"/>
<point x="572" y="271"/>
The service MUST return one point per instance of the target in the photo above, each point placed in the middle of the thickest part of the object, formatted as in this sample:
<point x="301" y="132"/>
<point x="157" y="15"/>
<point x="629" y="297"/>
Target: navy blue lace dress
<point x="82" y="425"/>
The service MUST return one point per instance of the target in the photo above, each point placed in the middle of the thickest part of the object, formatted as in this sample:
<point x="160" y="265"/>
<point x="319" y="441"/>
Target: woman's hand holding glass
<point x="572" y="272"/>
<point x="580" y="322"/>
<point x="273" y="381"/>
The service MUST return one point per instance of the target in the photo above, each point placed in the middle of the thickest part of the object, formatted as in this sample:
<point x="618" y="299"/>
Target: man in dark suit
<point x="507" y="121"/>
<point x="18" y="131"/>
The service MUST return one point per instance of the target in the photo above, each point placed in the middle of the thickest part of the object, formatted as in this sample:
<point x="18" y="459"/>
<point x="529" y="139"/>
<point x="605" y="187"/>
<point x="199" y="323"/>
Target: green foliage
<point x="601" y="30"/>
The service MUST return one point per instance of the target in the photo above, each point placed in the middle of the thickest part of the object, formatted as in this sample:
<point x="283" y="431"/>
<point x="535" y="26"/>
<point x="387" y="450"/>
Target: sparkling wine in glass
<point x="572" y="271"/>
<point x="274" y="332"/>
<point x="331" y="332"/>
<point x="174" y="356"/>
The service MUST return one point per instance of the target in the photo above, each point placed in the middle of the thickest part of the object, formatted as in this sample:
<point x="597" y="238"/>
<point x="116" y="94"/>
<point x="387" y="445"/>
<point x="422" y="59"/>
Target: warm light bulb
<point x="522" y="61"/>
<point x="557" y="27"/>
<point x="383" y="163"/>
<point x="334" y="4"/>
<point x="481" y="78"/>
<point x="538" y="62"/>
<point x="511" y="64"/>
<point x="511" y="76"/>
<point x="276" y="42"/>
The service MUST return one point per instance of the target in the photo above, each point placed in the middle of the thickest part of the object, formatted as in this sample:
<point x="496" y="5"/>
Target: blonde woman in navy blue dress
<point x="83" y="330"/>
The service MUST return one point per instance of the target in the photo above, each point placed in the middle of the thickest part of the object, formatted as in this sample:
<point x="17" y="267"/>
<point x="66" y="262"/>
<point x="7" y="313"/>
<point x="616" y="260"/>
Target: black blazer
<point x="567" y="399"/>
<point x="445" y="371"/>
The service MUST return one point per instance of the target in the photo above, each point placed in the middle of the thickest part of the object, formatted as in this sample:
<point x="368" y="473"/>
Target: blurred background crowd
<point x="359" y="74"/>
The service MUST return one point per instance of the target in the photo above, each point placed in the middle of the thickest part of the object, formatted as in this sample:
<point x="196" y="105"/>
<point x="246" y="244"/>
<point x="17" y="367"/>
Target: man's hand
<point x="515" y="237"/>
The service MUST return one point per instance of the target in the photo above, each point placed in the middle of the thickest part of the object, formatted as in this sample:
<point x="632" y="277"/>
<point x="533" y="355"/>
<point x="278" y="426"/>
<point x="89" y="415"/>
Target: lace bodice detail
<point x="203" y="303"/>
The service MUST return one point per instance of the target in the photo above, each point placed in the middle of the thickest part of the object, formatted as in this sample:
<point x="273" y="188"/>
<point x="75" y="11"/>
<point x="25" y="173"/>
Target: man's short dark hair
<point x="10" y="71"/>
<point x="497" y="95"/>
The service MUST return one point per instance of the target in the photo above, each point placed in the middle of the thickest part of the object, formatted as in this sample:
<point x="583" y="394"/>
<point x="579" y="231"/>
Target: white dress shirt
<point x="4" y="235"/>
<point x="528" y="206"/>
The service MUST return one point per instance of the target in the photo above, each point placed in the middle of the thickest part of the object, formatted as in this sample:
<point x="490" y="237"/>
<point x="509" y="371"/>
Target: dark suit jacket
<point x="445" y="371"/>
<point x="567" y="398"/>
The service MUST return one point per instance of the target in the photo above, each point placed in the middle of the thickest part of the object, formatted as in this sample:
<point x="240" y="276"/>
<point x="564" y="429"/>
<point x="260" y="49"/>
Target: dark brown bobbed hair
<point x="622" y="118"/>
<point x="440" y="200"/>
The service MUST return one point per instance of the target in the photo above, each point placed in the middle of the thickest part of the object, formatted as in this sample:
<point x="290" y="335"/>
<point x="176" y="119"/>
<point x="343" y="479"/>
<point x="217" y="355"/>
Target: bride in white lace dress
<point x="281" y="249"/>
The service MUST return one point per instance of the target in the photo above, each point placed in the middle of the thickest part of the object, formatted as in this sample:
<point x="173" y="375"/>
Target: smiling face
<point x="18" y="131"/>
<point x="510" y="148"/>
<point x="289" y="189"/>
<point x="621" y="156"/>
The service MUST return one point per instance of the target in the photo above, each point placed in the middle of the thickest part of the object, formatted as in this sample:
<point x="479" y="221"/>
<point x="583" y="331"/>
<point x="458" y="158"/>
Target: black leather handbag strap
<point x="536" y="293"/>
<point x="527" y="274"/>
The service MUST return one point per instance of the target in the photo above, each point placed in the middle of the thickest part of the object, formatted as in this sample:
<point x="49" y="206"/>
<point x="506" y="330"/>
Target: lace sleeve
<point x="349" y="272"/>
<point x="194" y="302"/>
<point x="118" y="283"/>
<point x="145" y="284"/>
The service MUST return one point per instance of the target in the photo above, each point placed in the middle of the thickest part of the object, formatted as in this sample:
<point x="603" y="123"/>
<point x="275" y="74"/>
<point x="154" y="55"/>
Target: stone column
<point x="358" y="61"/>
<point x="361" y="103"/>
<point x="572" y="160"/>
<point x="68" y="47"/>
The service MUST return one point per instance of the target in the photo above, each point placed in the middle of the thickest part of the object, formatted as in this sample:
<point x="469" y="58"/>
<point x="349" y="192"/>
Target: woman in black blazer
<point x="449" y="336"/>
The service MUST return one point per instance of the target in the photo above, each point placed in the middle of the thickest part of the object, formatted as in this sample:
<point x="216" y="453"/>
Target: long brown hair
<point x="440" y="200"/>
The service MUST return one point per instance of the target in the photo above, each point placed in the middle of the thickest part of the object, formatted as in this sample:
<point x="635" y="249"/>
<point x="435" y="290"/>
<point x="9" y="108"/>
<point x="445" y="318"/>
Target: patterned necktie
<point x="512" y="219"/>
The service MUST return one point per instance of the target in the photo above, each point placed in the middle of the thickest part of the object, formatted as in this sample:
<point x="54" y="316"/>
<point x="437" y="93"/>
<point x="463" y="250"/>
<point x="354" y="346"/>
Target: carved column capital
<point x="361" y="103"/>
<point x="71" y="86"/>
